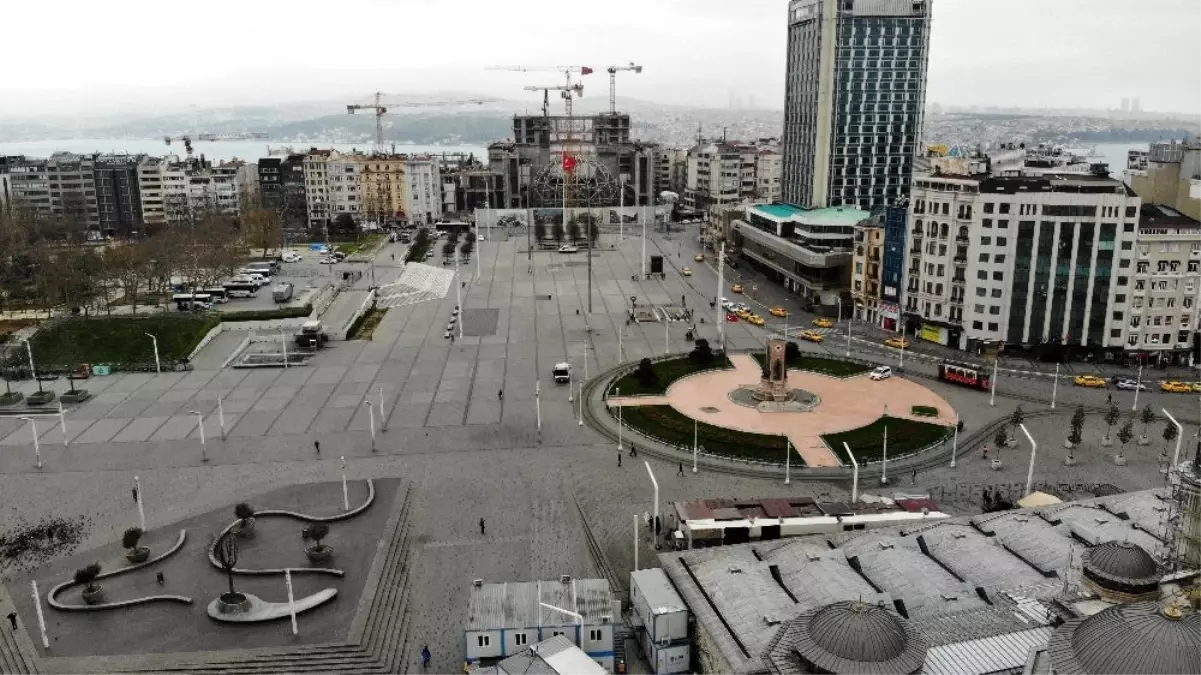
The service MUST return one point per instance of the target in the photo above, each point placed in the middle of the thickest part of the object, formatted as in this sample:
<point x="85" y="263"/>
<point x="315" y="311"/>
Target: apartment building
<point x="1171" y="176"/>
<point x="671" y="170"/>
<point x="216" y="189"/>
<point x="769" y="170"/>
<point x="73" y="189"/>
<point x="118" y="198"/>
<point x="855" y="90"/>
<point x="163" y="189"/>
<point x="423" y="194"/>
<point x="867" y="270"/>
<point x="6" y="193"/>
<point x="1021" y="260"/>
<point x="896" y="230"/>
<point x="1164" y="300"/>
<point x="29" y="182"/>
<point x="384" y="188"/>
<point x="808" y="251"/>
<point x="720" y="173"/>
<point x="282" y="189"/>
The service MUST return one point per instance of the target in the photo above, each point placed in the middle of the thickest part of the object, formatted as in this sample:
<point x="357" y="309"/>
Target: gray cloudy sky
<point x="80" y="56"/>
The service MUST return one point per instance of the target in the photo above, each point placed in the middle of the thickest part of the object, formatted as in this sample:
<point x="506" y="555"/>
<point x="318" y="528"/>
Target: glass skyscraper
<point x="854" y="99"/>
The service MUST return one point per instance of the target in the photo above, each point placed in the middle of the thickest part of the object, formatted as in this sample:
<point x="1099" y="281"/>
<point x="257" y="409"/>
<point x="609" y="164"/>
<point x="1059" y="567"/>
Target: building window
<point x="977" y="325"/>
<point x="996" y="292"/>
<point x="981" y="274"/>
<point x="596" y="634"/>
<point x="1117" y="316"/>
<point x="995" y="310"/>
<point x="988" y="208"/>
<point x="983" y="257"/>
<point x="998" y="276"/>
<point x="981" y="291"/>
<point x="987" y="222"/>
<point x="519" y="639"/>
<point x="986" y="241"/>
<point x="1004" y="207"/>
<point x="992" y="327"/>
<point x="483" y="640"/>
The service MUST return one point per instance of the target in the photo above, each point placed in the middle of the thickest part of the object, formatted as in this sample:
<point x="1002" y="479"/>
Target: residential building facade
<point x="6" y="192"/>
<point x="1164" y="300"/>
<point x="29" y="181"/>
<point x="1171" y="176"/>
<point x="118" y="196"/>
<point x="719" y="173"/>
<point x="1027" y="261"/>
<point x="855" y="94"/>
<point x="282" y="189"/>
<point x="896" y="229"/>
<point x="73" y="189"/>
<point x="867" y="271"/>
<point x="423" y="193"/>
<point x="316" y="188"/>
<point x="769" y="171"/>
<point x="384" y="188"/>
<point x="671" y="174"/>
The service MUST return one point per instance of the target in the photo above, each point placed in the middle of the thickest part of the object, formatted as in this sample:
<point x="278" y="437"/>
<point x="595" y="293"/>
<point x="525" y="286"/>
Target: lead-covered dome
<point x="1135" y="639"/>
<point x="842" y="637"/>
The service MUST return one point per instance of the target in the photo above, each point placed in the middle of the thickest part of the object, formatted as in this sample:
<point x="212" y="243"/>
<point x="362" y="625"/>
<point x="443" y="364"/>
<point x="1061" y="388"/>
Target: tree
<point x="1076" y="426"/>
<point x="1125" y="434"/>
<point x="1147" y="416"/>
<point x="1169" y="435"/>
<point x="226" y="552"/>
<point x="573" y="230"/>
<point x="556" y="232"/>
<point x="1111" y="418"/>
<point x="86" y="576"/>
<point x="792" y="351"/>
<point x="1016" y="418"/>
<point x="1002" y="438"/>
<point x="344" y="224"/>
<point x="245" y="513"/>
<point x="317" y="532"/>
<point x="646" y="372"/>
<point x="467" y="247"/>
<point x="701" y="352"/>
<point x="262" y="230"/>
<point x="448" y="250"/>
<point x="593" y="232"/>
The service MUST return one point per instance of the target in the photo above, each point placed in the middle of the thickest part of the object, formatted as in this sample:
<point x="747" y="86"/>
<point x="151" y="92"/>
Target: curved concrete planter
<point x="1106" y="442"/>
<point x="52" y="596"/>
<point x="1069" y="461"/>
<point x="243" y="528"/>
<point x="1119" y="459"/>
<point x="1143" y="440"/>
<point x="139" y="555"/>
<point x="319" y="554"/>
<point x="1068" y="445"/>
<point x="241" y="605"/>
<point x="996" y="465"/>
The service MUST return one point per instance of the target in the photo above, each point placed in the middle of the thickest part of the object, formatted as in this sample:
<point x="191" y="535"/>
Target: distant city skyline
<point x="704" y="53"/>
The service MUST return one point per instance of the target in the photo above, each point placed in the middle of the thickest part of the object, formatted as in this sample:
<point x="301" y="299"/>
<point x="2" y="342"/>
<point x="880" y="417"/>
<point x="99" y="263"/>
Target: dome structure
<point x="1135" y="639"/>
<point x="856" y="637"/>
<point x="1122" y="569"/>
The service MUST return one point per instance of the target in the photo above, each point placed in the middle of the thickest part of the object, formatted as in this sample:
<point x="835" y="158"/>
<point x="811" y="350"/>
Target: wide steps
<point x="17" y="654"/>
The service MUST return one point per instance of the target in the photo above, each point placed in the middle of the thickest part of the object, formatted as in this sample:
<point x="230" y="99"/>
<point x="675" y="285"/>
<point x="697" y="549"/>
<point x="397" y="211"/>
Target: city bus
<point x="240" y="289"/>
<point x="190" y="301"/>
<point x="963" y="374"/>
<point x="217" y="293"/>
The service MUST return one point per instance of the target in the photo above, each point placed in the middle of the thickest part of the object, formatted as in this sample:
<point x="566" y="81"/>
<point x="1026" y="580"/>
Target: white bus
<point x="192" y="301"/>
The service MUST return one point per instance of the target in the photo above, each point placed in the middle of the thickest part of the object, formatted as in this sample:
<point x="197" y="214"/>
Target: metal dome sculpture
<point x="856" y="637"/>
<point x="592" y="184"/>
<point x="1136" y="639"/>
<point x="1121" y="570"/>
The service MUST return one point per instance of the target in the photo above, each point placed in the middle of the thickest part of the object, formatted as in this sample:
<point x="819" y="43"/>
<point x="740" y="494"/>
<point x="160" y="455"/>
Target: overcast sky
<point x="78" y="56"/>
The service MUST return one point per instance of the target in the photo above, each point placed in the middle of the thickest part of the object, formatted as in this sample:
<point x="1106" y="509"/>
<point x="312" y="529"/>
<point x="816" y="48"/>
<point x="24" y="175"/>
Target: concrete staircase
<point x="376" y="641"/>
<point x="17" y="654"/>
<point x="418" y="283"/>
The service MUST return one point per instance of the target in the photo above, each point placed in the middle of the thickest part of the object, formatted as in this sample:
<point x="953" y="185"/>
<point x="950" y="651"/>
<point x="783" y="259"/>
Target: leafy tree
<point x="344" y="224"/>
<point x="467" y="247"/>
<point x="701" y="352"/>
<point x="1002" y="438"/>
<point x="131" y="537"/>
<point x="1076" y="426"/>
<point x="556" y="232"/>
<point x="1111" y="418"/>
<point x="573" y="230"/>
<point x="448" y="249"/>
<point x="1147" y="416"/>
<point x="226" y="552"/>
<point x="317" y="532"/>
<point x="792" y="351"/>
<point x="86" y="577"/>
<point x="1126" y="433"/>
<point x="1016" y="418"/>
<point x="646" y="372"/>
<point x="1169" y="435"/>
<point x="244" y="512"/>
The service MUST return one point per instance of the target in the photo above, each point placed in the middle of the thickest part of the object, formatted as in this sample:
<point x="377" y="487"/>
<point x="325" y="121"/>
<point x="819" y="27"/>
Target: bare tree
<point x="262" y="230"/>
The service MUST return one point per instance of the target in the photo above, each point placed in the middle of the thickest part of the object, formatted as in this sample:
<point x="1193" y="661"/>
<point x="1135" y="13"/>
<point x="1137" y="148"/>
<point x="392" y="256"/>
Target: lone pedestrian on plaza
<point x="482" y="526"/>
<point x="1109" y="398"/>
<point x="984" y="455"/>
<point x="913" y="479"/>
<point x="500" y="395"/>
<point x="425" y="656"/>
<point x="680" y="472"/>
<point x="317" y="446"/>
<point x="646" y="519"/>
<point x="134" y="490"/>
<point x="160" y="578"/>
<point x="633" y="450"/>
<point x="619" y="460"/>
<point x="12" y="618"/>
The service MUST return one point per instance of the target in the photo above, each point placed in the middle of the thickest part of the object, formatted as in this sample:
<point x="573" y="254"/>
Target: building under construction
<point x="605" y="158"/>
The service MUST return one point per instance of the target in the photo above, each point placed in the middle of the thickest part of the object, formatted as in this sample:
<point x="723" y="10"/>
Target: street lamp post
<point x="62" y="423"/>
<point x="345" y="493"/>
<point x="620" y="352"/>
<point x="283" y="345"/>
<point x="371" y="422"/>
<point x="839" y="298"/>
<point x="383" y="419"/>
<point x="221" y="415"/>
<point x="848" y="339"/>
<point x="570" y="386"/>
<point x="855" y="475"/>
<point x="37" y="446"/>
<point x="538" y="407"/>
<point x="787" y="460"/>
<point x="291" y="599"/>
<point x="643" y="245"/>
<point x="1179" y="436"/>
<point x="158" y="365"/>
<point x="200" y="426"/>
<point x="617" y="394"/>
<point x="992" y="396"/>
<point x="458" y="295"/>
<point x="884" y="468"/>
<point x="137" y="490"/>
<point x="666" y="346"/>
<point x="901" y="365"/>
<point x="32" y="371"/>
<point x="1137" y="386"/>
<point x="695" y="447"/>
<point x="655" y="483"/>
<point x="955" y="440"/>
<point x="1055" y="386"/>
<point x="1033" y="453"/>
<point x="581" y="398"/>
<point x="721" y="320"/>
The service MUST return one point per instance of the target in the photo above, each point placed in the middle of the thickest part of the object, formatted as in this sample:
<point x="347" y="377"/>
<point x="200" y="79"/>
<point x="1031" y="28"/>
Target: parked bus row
<point x="245" y="284"/>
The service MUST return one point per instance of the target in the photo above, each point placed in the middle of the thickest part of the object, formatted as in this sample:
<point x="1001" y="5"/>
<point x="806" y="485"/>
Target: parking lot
<point x="306" y="276"/>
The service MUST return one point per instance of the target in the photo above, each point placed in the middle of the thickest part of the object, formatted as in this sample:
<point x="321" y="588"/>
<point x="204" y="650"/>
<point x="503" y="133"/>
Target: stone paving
<point x="467" y="452"/>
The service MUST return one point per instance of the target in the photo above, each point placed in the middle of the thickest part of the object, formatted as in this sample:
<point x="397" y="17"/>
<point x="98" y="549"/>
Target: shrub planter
<point x="39" y="398"/>
<point x="1119" y="459"/>
<point x="233" y="603"/>
<point x="1068" y="445"/>
<point x="1011" y="443"/>
<point x="244" y="528"/>
<point x="11" y="398"/>
<point x="94" y="596"/>
<point x="138" y="555"/>
<point x="75" y="396"/>
<point x="1106" y="442"/>
<point x="1143" y="440"/>
<point x="319" y="554"/>
<point x="924" y="411"/>
<point x="996" y="465"/>
<point x="1069" y="461"/>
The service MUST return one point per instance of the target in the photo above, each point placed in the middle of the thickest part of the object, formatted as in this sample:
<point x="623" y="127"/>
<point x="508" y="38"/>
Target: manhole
<point x="710" y="409"/>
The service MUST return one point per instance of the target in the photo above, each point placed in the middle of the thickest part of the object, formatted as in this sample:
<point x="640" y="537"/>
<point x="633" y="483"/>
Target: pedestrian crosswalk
<point x="417" y="283"/>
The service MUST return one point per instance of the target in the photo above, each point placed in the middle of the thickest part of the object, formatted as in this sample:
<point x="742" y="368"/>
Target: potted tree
<point x="10" y="397"/>
<point x="226" y="552"/>
<point x="133" y="552"/>
<point x="245" y="514"/>
<point x="319" y="552"/>
<point x="92" y="593"/>
<point x="1075" y="435"/>
<point x="1111" y="418"/>
<point x="1147" y="416"/>
<point x="1016" y="420"/>
<point x="1001" y="440"/>
<point x="1124" y="435"/>
<point x="1169" y="435"/>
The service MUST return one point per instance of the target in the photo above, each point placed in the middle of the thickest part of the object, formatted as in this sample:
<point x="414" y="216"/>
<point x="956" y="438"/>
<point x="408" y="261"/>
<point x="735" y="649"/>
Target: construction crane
<point x="380" y="108"/>
<point x="565" y="89"/>
<point x="613" y="83"/>
<point x="188" y="139"/>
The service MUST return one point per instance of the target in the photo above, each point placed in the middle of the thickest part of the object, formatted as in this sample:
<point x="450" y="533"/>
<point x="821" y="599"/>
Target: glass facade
<point x="895" y="227"/>
<point x="1084" y="257"/>
<point x="1102" y="275"/>
<point x="1021" y="277"/>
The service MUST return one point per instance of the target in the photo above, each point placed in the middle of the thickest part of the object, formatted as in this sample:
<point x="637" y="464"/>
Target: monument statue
<point x="773" y="386"/>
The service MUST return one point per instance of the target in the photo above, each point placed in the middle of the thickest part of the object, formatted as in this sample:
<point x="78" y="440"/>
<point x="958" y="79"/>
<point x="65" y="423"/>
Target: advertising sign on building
<point x="932" y="333"/>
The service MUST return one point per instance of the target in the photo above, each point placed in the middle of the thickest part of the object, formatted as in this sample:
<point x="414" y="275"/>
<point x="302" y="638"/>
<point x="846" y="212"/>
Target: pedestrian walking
<point x="134" y="490"/>
<point x="12" y="618"/>
<point x="500" y="395"/>
<point x="317" y="446"/>
<point x="1109" y="398"/>
<point x="425" y="656"/>
<point x="646" y="519"/>
<point x="160" y="579"/>
<point x="913" y="478"/>
<point x="984" y="455"/>
<point x="619" y="460"/>
<point x="680" y="472"/>
<point x="658" y="525"/>
<point x="481" y="526"/>
<point x="633" y="450"/>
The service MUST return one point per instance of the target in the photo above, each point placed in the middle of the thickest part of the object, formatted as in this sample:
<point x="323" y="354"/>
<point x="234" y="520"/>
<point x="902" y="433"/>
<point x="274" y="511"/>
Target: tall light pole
<point x="538" y="407"/>
<point x="1179" y="436"/>
<point x="158" y="364"/>
<point x="1055" y="386"/>
<point x="635" y="543"/>
<point x="666" y="345"/>
<point x="570" y="386"/>
<point x="992" y="396"/>
<point x="620" y="353"/>
<point x="200" y="426"/>
<point x="62" y="423"/>
<point x="617" y="394"/>
<point x="458" y="294"/>
<point x="283" y="345"/>
<point x="371" y="422"/>
<point x="955" y="440"/>
<point x="291" y="599"/>
<point x="643" y="244"/>
<point x="884" y="469"/>
<point x="839" y="298"/>
<point x="1137" y="386"/>
<point x="345" y="492"/>
<point x="721" y="320"/>
<point x="221" y="415"/>
<point x="901" y="365"/>
<point x="581" y="420"/>
<point x="787" y="460"/>
<point x="848" y="339"/>
<point x="656" y="484"/>
<point x="383" y="419"/>
<point x="1033" y="452"/>
<point x="695" y="446"/>
<point x="855" y="475"/>
<point x="37" y="446"/>
<point x="32" y="371"/>
<point x="137" y="490"/>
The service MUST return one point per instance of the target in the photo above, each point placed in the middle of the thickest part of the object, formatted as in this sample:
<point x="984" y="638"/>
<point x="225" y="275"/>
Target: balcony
<point x="916" y="250"/>
<point x="962" y="239"/>
<point x="959" y="260"/>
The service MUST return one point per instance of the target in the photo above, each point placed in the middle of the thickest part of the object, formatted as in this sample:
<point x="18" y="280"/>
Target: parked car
<point x="726" y="304"/>
<point x="1090" y="381"/>
<point x="687" y="271"/>
<point x="328" y="260"/>
<point x="568" y="248"/>
<point x="731" y="317"/>
<point x="755" y="319"/>
<point x="1128" y="384"/>
<point x="881" y="373"/>
<point x="291" y="257"/>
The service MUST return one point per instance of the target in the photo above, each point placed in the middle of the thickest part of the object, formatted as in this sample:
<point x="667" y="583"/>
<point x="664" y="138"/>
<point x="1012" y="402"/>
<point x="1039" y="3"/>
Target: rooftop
<point x="516" y="605"/>
<point x="1158" y="215"/>
<point x="779" y="211"/>
<point x="958" y="580"/>
<point x="549" y="657"/>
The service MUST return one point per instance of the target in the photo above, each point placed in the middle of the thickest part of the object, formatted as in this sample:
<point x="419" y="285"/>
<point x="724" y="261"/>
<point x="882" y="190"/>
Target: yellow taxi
<point x="687" y="271"/>
<point x="755" y="319"/>
<point x="1196" y="385"/>
<point x="1089" y="381"/>
<point x="1176" y="387"/>
<point x="897" y="342"/>
<point x="823" y="322"/>
<point x="699" y="257"/>
<point x="811" y="335"/>
<point x="744" y="314"/>
<point x="736" y="288"/>
<point x="778" y="311"/>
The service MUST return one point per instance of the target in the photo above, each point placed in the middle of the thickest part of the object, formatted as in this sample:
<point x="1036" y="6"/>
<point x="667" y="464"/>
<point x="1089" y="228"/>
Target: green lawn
<point x="671" y="426"/>
<point x="668" y="372"/>
<point x="905" y="437"/>
<point x="820" y="364"/>
<point x="118" y="340"/>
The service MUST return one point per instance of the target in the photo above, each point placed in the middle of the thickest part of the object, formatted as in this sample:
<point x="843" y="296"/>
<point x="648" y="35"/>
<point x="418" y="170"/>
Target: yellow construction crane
<point x="188" y="139"/>
<point x="565" y="89"/>
<point x="613" y="83"/>
<point x="380" y="108"/>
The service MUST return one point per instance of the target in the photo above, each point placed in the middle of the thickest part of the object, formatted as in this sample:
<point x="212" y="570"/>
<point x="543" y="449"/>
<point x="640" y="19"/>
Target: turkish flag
<point x="585" y="70"/>
<point x="568" y="163"/>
